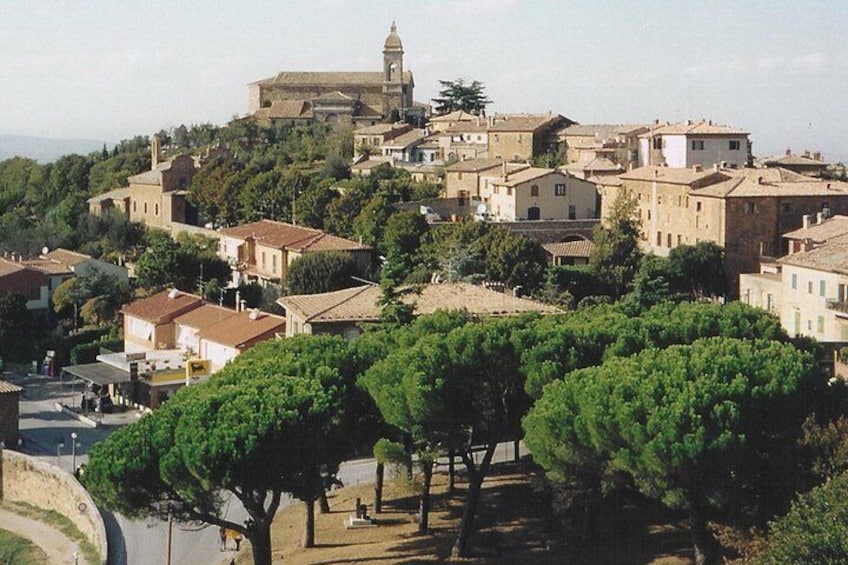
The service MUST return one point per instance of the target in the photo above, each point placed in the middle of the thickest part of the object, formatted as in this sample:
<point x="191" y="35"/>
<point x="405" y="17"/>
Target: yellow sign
<point x="197" y="368"/>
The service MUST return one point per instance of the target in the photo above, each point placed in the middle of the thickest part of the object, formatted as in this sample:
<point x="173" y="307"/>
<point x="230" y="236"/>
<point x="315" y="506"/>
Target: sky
<point x="109" y="70"/>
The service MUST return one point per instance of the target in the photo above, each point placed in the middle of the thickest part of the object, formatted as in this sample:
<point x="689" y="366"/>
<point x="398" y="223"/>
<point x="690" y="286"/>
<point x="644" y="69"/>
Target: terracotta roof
<point x="162" y="307"/>
<point x="204" y="316"/>
<point x="49" y="267"/>
<point x="580" y="248"/>
<point x="7" y="387"/>
<point x="406" y="139"/>
<point x="701" y="127"/>
<point x="455" y="116"/>
<point x="596" y="164"/>
<point x="793" y="160"/>
<point x="464" y="127"/>
<point x="670" y="175"/>
<point x="340" y="79"/>
<point x="828" y="229"/>
<point x="771" y="182"/>
<point x="240" y="329"/>
<point x="281" y="109"/>
<point x="524" y="123"/>
<point x="381" y="129"/>
<point x="115" y="194"/>
<point x="603" y="131"/>
<point x="371" y="163"/>
<point x="280" y="235"/>
<point x="831" y="255"/>
<point x="66" y="256"/>
<point x="7" y="267"/>
<point x="474" y="165"/>
<point x="525" y="175"/>
<point x="361" y="304"/>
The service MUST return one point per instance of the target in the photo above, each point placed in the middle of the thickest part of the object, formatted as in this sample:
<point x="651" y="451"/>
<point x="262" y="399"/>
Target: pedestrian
<point x="222" y="535"/>
<point x="237" y="539"/>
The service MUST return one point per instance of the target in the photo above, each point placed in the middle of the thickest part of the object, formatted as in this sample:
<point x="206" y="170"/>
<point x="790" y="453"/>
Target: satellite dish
<point x="45" y="250"/>
<point x="481" y="208"/>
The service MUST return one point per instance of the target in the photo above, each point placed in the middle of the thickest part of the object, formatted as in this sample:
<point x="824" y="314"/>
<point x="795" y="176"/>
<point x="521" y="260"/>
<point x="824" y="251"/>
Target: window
<point x="698" y="206"/>
<point x="263" y="260"/>
<point x="750" y="208"/>
<point x="459" y="175"/>
<point x="534" y="190"/>
<point x="809" y="287"/>
<point x="509" y="191"/>
<point x="559" y="190"/>
<point x="572" y="212"/>
<point x="679" y="239"/>
<point x="697" y="145"/>
<point x="668" y="240"/>
<point x="659" y="239"/>
<point x="156" y="209"/>
<point x="659" y="199"/>
<point x="519" y="138"/>
<point x="658" y="142"/>
<point x="145" y="207"/>
<point x="820" y="324"/>
<point x="649" y="214"/>
<point x="135" y="206"/>
<point x="794" y="281"/>
<point x="822" y="288"/>
<point x="734" y="145"/>
<point x="274" y="263"/>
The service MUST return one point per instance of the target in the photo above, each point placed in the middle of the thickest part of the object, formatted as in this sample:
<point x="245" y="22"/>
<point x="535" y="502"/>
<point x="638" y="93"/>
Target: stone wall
<point x="25" y="479"/>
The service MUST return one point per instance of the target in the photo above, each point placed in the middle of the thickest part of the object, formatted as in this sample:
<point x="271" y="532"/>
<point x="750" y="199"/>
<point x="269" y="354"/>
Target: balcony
<point x="840" y="307"/>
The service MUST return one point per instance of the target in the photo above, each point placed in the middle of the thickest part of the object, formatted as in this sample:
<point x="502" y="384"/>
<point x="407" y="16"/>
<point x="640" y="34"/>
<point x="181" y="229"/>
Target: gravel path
<point x="59" y="549"/>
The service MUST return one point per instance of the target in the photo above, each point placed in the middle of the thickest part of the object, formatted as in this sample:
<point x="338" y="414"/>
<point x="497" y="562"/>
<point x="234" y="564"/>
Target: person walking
<point x="222" y="536"/>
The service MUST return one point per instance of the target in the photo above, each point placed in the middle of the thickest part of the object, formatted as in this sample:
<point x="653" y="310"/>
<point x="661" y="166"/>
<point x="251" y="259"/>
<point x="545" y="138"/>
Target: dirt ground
<point x="509" y="530"/>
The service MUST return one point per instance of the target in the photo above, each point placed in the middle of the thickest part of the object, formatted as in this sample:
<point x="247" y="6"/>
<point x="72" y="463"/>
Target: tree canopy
<point x="615" y="257"/>
<point x="694" y="425"/>
<point x="461" y="95"/>
<point x="322" y="272"/>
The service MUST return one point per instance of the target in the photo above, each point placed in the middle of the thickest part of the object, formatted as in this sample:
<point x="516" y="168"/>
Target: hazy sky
<point x="113" y="69"/>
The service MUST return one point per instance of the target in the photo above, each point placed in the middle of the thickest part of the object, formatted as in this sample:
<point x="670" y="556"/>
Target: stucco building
<point x="692" y="143"/>
<point x="360" y="97"/>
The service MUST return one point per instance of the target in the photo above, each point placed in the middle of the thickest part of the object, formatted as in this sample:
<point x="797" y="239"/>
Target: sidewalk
<point x="59" y="549"/>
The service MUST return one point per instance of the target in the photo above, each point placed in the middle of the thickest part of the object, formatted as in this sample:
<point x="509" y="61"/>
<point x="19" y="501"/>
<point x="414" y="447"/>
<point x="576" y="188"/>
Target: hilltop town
<point x="641" y="319"/>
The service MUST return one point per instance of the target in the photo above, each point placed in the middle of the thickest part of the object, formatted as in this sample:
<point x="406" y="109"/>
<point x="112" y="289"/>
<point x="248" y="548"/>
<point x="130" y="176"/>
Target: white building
<point x="691" y="143"/>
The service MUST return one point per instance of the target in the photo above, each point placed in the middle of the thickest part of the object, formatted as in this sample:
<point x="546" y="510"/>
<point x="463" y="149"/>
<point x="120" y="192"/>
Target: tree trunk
<point x="702" y="542"/>
<point x="451" y="472"/>
<point x="259" y="537"/>
<point x="378" y="488"/>
<point x="309" y="529"/>
<point x="324" y="503"/>
<point x="472" y="498"/>
<point x="424" y="501"/>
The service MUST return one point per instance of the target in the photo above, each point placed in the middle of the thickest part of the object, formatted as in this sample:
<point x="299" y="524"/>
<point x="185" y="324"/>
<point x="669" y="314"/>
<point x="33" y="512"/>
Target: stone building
<point x="363" y="98"/>
<point x="746" y="211"/>
<point x="521" y="137"/>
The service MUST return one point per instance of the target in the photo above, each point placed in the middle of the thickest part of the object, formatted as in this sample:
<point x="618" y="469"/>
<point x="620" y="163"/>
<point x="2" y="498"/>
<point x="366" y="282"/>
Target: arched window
<point x="135" y="205"/>
<point x="156" y="208"/>
<point x="534" y="190"/>
<point x="145" y="207"/>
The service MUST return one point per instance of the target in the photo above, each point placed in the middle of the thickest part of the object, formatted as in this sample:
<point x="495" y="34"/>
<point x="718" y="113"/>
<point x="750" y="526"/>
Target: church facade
<point x="361" y="98"/>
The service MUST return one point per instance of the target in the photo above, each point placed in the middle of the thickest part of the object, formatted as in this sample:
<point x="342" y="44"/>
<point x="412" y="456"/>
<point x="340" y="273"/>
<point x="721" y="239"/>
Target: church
<point x="360" y="98"/>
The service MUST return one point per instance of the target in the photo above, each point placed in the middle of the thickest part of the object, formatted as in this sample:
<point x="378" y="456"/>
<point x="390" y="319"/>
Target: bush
<point x="88" y="352"/>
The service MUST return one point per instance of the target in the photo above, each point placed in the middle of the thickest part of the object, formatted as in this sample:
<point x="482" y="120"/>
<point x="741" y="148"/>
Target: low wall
<point x="25" y="479"/>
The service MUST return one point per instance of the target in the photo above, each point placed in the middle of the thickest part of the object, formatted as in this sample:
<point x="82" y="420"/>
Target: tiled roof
<point x="241" y="329"/>
<point x="7" y="267"/>
<point x="371" y="163"/>
<point x="525" y="175"/>
<point x="49" y="267"/>
<point x="204" y="316"/>
<point x="791" y="160"/>
<point x="828" y="229"/>
<point x="771" y="182"/>
<point x="381" y="129"/>
<point x="580" y="248"/>
<point x="465" y="127"/>
<point x="669" y="175"/>
<point x="361" y="304"/>
<point x="280" y="235"/>
<point x="523" y="123"/>
<point x="66" y="256"/>
<point x="473" y="165"/>
<point x="340" y="79"/>
<point x="831" y="255"/>
<point x="7" y="387"/>
<point x="701" y="127"/>
<point x="162" y="307"/>
<point x="596" y="164"/>
<point x="281" y="109"/>
<point x="455" y="116"/>
<point x="115" y="194"/>
<point x="603" y="131"/>
<point x="406" y="139"/>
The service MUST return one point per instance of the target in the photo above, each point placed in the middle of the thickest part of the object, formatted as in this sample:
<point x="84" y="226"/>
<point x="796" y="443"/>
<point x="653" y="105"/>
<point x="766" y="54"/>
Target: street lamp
<point x="59" y="447"/>
<point x="73" y="451"/>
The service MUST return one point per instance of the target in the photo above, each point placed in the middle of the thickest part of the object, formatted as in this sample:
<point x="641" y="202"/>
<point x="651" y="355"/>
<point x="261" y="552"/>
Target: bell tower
<point x="394" y="90"/>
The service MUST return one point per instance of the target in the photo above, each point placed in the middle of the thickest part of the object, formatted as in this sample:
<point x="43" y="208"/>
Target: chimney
<point x="819" y="217"/>
<point x="238" y="301"/>
<point x="656" y="121"/>
<point x="715" y="167"/>
<point x="817" y="155"/>
<point x="808" y="243"/>
<point x="688" y="122"/>
<point x="806" y="153"/>
<point x="805" y="221"/>
<point x="697" y="168"/>
<point x="759" y="180"/>
<point x="788" y="151"/>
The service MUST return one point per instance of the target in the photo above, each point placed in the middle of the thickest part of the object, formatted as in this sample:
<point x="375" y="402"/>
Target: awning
<point x="98" y="373"/>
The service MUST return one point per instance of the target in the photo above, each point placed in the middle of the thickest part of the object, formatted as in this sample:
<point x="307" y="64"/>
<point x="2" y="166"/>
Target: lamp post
<point x="73" y="451"/>
<point x="59" y="447"/>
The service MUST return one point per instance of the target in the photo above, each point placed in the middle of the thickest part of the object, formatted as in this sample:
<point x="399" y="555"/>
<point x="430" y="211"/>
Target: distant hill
<point x="45" y="150"/>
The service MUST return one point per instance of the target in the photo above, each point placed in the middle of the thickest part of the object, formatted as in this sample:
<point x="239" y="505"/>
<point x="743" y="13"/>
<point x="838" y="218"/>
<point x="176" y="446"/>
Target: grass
<point x="15" y="550"/>
<point x="509" y="529"/>
<point x="90" y="554"/>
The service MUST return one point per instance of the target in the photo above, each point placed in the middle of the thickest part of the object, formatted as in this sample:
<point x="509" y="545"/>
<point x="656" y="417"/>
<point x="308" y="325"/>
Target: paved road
<point x="139" y="542"/>
<point x="59" y="549"/>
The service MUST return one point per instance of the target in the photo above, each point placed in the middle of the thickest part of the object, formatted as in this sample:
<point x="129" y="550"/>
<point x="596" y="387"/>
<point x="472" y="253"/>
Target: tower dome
<point x="393" y="40"/>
